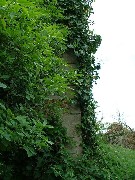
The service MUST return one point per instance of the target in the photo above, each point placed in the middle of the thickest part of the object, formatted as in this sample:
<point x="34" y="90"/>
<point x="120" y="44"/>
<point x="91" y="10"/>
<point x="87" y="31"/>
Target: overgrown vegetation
<point x="31" y="71"/>
<point x="117" y="162"/>
<point x="84" y="43"/>
<point x="33" y="38"/>
<point x="121" y="134"/>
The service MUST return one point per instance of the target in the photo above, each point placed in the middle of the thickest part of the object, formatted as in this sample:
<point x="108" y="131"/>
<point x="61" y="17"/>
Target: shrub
<point x="31" y="71"/>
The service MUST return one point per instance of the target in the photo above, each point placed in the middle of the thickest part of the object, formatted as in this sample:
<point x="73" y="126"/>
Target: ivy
<point x="84" y="43"/>
<point x="33" y="38"/>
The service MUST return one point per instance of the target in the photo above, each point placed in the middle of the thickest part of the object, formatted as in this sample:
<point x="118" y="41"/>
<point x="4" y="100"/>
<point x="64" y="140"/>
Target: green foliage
<point x="31" y="71"/>
<point x="22" y="132"/>
<point x="119" y="161"/>
<point x="110" y="163"/>
<point x="84" y="43"/>
<point x="33" y="37"/>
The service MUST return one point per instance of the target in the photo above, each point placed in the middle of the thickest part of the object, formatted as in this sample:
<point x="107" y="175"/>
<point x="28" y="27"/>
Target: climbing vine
<point x="34" y="36"/>
<point x="84" y="43"/>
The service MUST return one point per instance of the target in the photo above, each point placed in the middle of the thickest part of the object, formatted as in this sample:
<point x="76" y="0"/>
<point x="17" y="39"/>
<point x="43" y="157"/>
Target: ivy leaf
<point x="5" y="77"/>
<point x="7" y="136"/>
<point x="4" y="86"/>
<point x="3" y="23"/>
<point x="44" y="123"/>
<point x="2" y="2"/>
<point x="22" y="120"/>
<point x="29" y="96"/>
<point x="25" y="11"/>
<point x="30" y="151"/>
<point x="50" y="142"/>
<point x="2" y="106"/>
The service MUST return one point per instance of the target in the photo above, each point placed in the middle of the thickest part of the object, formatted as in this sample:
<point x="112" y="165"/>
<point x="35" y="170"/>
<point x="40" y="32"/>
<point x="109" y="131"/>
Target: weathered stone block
<point x="71" y="122"/>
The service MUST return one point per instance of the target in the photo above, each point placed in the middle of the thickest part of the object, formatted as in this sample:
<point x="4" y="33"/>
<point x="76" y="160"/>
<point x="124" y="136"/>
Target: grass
<point x="120" y="162"/>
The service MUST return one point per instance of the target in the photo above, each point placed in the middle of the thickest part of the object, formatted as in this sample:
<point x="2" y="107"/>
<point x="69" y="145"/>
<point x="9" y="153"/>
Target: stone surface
<point x="70" y="57"/>
<point x="72" y="121"/>
<point x="72" y="118"/>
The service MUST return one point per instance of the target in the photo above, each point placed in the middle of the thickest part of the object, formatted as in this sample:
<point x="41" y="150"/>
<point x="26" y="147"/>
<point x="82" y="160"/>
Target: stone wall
<point x="71" y="120"/>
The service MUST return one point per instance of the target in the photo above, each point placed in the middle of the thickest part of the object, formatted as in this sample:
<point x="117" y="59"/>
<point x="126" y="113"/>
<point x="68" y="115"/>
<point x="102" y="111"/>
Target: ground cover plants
<point x="121" y="161"/>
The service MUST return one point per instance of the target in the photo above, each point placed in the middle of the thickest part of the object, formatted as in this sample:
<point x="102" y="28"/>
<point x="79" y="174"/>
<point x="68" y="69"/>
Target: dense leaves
<point x="33" y="37"/>
<point x="31" y="72"/>
<point x="84" y="43"/>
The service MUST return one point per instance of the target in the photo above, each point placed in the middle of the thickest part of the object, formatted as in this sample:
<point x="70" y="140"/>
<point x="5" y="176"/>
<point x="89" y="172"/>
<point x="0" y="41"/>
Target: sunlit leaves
<point x="31" y="70"/>
<point x="4" y="86"/>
